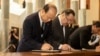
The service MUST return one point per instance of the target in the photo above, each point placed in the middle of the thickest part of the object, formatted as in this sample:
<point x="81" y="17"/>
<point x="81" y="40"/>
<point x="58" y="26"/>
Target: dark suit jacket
<point x="57" y="33"/>
<point x="80" y="37"/>
<point x="32" y="32"/>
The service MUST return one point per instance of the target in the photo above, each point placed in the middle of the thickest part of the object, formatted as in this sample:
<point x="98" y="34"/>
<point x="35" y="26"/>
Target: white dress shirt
<point x="63" y="31"/>
<point x="62" y="25"/>
<point x="40" y="19"/>
<point x="40" y="22"/>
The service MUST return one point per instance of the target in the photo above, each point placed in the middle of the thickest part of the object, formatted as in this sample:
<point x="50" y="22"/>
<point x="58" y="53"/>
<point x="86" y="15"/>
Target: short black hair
<point x="48" y="6"/>
<point x="69" y="11"/>
<point x="96" y="23"/>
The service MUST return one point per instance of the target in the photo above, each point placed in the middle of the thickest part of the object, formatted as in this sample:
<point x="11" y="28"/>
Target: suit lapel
<point x="38" y="24"/>
<point x="59" y="27"/>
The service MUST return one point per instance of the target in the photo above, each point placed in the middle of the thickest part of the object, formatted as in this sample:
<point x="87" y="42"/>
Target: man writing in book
<point x="84" y="37"/>
<point x="36" y="29"/>
<point x="61" y="30"/>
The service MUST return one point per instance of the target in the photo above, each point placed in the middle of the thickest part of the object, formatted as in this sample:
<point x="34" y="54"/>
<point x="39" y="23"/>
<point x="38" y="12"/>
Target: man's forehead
<point x="70" y="15"/>
<point x="52" y="9"/>
<point x="51" y="12"/>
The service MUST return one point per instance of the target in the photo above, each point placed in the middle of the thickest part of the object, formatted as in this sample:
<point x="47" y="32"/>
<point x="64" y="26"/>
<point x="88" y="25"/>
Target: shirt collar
<point x="40" y="19"/>
<point x="60" y="20"/>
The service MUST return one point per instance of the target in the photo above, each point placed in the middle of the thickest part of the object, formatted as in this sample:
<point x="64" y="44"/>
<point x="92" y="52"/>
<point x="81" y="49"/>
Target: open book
<point x="47" y="51"/>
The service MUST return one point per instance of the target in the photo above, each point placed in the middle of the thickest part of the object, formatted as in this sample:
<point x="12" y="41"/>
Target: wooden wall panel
<point x="68" y="3"/>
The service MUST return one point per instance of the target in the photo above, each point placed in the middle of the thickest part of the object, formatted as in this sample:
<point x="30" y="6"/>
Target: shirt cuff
<point x="60" y="46"/>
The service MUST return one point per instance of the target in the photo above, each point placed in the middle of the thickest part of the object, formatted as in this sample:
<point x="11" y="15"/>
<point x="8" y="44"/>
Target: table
<point x="63" y="53"/>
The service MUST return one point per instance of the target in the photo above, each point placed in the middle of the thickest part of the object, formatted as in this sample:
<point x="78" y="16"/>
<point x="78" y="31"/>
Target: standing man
<point x="61" y="31"/>
<point x="36" y="29"/>
<point x="81" y="37"/>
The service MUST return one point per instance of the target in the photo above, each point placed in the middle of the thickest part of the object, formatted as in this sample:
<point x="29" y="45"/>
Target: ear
<point x="42" y="12"/>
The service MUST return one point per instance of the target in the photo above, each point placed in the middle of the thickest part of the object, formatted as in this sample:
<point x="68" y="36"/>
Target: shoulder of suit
<point x="31" y="16"/>
<point x="55" y="19"/>
<point x="75" y="26"/>
<point x="86" y="28"/>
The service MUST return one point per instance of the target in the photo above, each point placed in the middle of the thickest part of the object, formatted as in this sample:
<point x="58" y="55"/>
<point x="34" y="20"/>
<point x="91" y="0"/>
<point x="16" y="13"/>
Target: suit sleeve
<point x="29" y="35"/>
<point x="52" y="41"/>
<point x="84" y="39"/>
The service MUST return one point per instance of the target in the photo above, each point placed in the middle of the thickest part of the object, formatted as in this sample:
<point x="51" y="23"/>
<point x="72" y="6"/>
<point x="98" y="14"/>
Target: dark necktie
<point x="42" y="28"/>
<point x="43" y="25"/>
<point x="93" y="38"/>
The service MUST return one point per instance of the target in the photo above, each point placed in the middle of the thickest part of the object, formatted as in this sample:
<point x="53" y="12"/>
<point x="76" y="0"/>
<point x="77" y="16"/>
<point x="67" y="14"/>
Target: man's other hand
<point x="46" y="46"/>
<point x="97" y="49"/>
